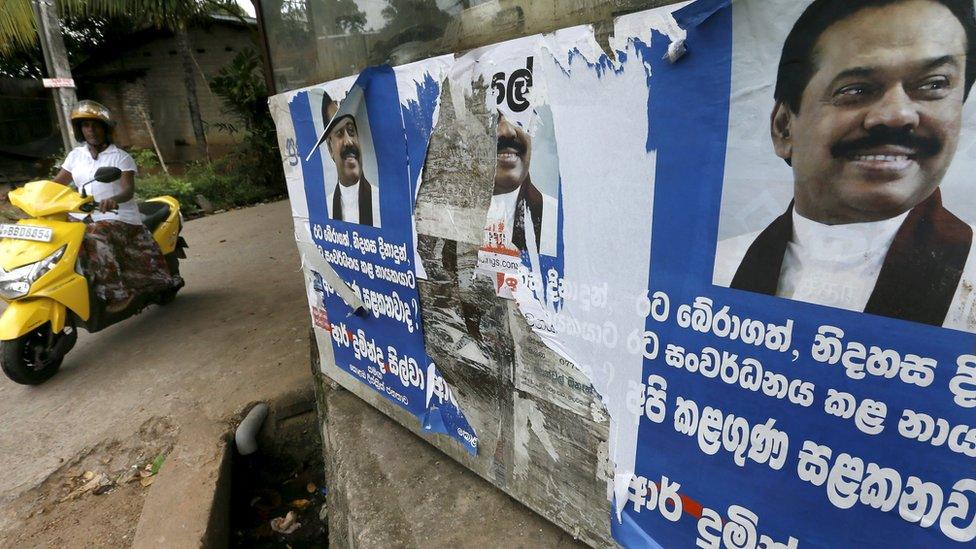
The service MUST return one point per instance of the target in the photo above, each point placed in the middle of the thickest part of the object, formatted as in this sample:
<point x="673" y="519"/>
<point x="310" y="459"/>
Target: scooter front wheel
<point x="34" y="357"/>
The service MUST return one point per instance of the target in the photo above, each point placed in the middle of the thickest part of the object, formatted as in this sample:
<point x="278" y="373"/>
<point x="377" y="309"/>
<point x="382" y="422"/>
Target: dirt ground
<point x="236" y="334"/>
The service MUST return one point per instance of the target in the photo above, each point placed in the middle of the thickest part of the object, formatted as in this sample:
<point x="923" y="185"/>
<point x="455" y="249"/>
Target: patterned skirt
<point x="123" y="260"/>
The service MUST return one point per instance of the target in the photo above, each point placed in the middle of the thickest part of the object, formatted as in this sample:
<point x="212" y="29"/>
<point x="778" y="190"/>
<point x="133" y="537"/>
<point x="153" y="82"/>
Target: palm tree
<point x="18" y="30"/>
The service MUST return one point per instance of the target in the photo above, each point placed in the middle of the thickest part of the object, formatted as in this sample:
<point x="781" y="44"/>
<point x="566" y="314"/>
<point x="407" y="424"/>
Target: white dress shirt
<point x="838" y="266"/>
<point x="501" y="211"/>
<point x="350" y="202"/>
<point x="835" y="265"/>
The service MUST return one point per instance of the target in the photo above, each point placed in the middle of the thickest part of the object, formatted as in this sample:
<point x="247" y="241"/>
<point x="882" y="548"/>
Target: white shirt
<point x="835" y="265"/>
<point x="350" y="202"/>
<point x="502" y="210"/>
<point x="82" y="166"/>
<point x="501" y="214"/>
<point x="838" y="266"/>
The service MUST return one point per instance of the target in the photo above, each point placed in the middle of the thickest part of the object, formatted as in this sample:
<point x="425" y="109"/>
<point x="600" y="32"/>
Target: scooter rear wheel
<point x="32" y="359"/>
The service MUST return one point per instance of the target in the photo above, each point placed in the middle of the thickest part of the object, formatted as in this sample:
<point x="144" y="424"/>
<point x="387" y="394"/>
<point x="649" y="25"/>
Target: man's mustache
<point x="508" y="142"/>
<point x="880" y="136"/>
<point x="349" y="150"/>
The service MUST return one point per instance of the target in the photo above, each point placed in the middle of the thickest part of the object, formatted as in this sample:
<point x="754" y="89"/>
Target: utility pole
<point x="269" y="82"/>
<point x="56" y="63"/>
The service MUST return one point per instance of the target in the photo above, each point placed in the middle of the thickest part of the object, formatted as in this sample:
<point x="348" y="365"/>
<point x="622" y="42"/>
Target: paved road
<point x="236" y="334"/>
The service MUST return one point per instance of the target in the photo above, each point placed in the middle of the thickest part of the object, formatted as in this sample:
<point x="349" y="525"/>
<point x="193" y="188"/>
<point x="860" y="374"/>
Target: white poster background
<point x="607" y="179"/>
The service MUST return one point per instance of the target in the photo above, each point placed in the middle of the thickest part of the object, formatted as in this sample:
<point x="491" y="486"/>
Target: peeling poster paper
<point x="645" y="226"/>
<point x="353" y="148"/>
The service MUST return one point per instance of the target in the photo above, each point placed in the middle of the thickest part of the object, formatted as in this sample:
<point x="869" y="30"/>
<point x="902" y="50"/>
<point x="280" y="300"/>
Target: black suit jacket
<point x="530" y="195"/>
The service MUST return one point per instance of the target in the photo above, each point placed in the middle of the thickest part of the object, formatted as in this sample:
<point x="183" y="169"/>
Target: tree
<point x="18" y="31"/>
<point x="349" y="18"/>
<point x="82" y="35"/>
<point x="408" y="13"/>
<point x="241" y="88"/>
<point x="408" y="21"/>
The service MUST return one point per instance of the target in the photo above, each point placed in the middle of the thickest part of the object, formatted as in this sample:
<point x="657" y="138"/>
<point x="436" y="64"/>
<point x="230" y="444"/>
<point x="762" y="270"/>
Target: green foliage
<point x="161" y="184"/>
<point x="405" y="14"/>
<point x="90" y="24"/>
<point x="146" y="160"/>
<point x="251" y="172"/>
<point x="221" y="182"/>
<point x="348" y="17"/>
<point x="288" y="27"/>
<point x="407" y="21"/>
<point x="240" y="87"/>
<point x="157" y="464"/>
<point x="226" y="184"/>
<point x="82" y="35"/>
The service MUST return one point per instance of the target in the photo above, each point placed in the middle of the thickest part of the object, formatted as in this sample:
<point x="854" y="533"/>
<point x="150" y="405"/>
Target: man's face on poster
<point x="344" y="149"/>
<point x="514" y="154"/>
<point x="879" y="120"/>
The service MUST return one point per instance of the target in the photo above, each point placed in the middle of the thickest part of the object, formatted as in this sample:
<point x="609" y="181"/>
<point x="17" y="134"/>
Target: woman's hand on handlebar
<point x="107" y="205"/>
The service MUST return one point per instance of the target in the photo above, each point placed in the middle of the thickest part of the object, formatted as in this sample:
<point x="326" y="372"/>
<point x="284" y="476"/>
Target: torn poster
<point x="758" y="252"/>
<point x="572" y="178"/>
<point x="810" y="373"/>
<point x="354" y="144"/>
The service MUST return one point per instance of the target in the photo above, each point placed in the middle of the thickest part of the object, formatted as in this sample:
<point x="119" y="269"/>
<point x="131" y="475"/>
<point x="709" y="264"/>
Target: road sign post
<point x="56" y="63"/>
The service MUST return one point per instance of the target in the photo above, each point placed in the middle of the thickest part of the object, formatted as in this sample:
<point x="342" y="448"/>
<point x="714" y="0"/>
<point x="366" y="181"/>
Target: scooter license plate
<point x="26" y="232"/>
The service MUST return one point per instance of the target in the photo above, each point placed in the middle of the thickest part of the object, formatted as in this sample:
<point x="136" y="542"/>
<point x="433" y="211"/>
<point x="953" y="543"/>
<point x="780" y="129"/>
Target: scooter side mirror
<point x="107" y="174"/>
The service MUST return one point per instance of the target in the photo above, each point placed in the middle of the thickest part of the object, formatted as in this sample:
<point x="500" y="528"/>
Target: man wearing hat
<point x="354" y="199"/>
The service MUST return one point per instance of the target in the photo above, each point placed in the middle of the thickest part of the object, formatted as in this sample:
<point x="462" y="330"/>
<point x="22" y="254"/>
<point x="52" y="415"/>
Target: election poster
<point x="352" y="141"/>
<point x="706" y="281"/>
<point x="810" y="345"/>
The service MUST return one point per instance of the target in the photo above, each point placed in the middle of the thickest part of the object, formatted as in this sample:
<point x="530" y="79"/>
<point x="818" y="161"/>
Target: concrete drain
<point x="278" y="493"/>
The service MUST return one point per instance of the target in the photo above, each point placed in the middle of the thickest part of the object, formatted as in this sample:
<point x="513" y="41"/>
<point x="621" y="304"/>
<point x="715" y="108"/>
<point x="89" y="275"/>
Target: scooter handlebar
<point x="92" y="207"/>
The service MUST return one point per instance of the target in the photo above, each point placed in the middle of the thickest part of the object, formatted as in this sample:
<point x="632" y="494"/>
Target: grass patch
<point x="227" y="183"/>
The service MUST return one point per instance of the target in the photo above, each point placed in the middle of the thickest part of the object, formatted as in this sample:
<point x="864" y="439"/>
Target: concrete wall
<point x="303" y="57"/>
<point x="543" y="429"/>
<point x="149" y="77"/>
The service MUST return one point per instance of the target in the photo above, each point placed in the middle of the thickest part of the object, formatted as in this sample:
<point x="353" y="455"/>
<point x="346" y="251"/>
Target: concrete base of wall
<point x="387" y="487"/>
<point x="188" y="505"/>
<point x="390" y="488"/>
<point x="189" y="502"/>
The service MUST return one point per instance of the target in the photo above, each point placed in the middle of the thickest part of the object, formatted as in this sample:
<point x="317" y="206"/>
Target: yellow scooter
<point x="43" y="281"/>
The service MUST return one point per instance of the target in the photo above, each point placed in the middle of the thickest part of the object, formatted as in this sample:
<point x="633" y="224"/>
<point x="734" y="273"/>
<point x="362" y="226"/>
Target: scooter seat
<point x="153" y="214"/>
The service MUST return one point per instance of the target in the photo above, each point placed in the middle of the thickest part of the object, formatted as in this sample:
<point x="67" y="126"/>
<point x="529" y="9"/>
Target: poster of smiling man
<point x="352" y="194"/>
<point x="517" y="203"/>
<point x="361" y="135"/>
<point x="809" y="344"/>
<point x="730" y="273"/>
<point x="524" y="210"/>
<point x="853" y="189"/>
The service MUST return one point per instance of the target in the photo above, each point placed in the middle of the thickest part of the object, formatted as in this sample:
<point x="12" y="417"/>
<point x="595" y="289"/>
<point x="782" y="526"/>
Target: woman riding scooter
<point x="122" y="259"/>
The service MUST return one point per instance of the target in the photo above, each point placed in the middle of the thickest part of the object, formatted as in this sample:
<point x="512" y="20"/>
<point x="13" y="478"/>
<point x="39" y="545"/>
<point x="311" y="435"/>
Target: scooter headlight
<point x="17" y="282"/>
